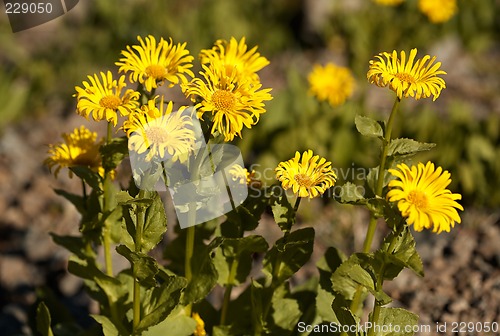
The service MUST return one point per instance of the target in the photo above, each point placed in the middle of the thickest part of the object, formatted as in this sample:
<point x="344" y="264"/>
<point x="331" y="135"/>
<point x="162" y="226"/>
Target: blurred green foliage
<point x="37" y="78"/>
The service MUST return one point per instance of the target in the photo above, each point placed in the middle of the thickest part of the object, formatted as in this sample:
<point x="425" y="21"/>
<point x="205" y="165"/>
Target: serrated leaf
<point x="357" y="271"/>
<point x="283" y="212"/>
<point x="43" y="320"/>
<point x="404" y="253"/>
<point x="293" y="253"/>
<point x="395" y="322"/>
<point x="160" y="301"/>
<point x="143" y="266"/>
<point x="403" y="146"/>
<point x="155" y="224"/>
<point x="368" y="126"/>
<point x="350" y="193"/>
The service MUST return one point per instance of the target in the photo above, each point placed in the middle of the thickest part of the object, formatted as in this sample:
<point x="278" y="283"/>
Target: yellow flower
<point x="243" y="176"/>
<point x="232" y="103"/>
<point x="307" y="177"/>
<point x="78" y="149"/>
<point x="438" y="10"/>
<point x="419" y="80"/>
<point x="104" y="99"/>
<point x="159" y="133"/>
<point x="388" y="2"/>
<point x="422" y="197"/>
<point x="200" y="325"/>
<point x="235" y="56"/>
<point x="332" y="83"/>
<point x="153" y="63"/>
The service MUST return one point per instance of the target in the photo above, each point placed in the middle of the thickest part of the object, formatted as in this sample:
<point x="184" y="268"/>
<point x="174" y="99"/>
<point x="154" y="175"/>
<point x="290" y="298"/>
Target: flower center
<point x="110" y="102"/>
<point x="405" y="77"/>
<point x="224" y="100"/>
<point x="157" y="135"/>
<point x="155" y="71"/>
<point x="418" y="199"/>
<point x="303" y="180"/>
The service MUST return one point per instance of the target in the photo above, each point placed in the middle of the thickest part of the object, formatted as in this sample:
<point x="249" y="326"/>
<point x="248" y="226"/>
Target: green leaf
<point x="332" y="259"/>
<point x="204" y="272"/>
<point x="144" y="267"/>
<point x="112" y="289"/>
<point x="90" y="177"/>
<point x="293" y="252"/>
<point x="155" y="224"/>
<point x="43" y="320"/>
<point x="160" y="301"/>
<point x="344" y="316"/>
<point x="357" y="271"/>
<point x="76" y="200"/>
<point x="368" y="126"/>
<point x="395" y="322"/>
<point x="239" y="250"/>
<point x="403" y="255"/>
<point x="283" y="212"/>
<point x="350" y="193"/>
<point x="403" y="146"/>
<point x="177" y="323"/>
<point x="286" y="311"/>
<point x="114" y="152"/>
<point x="108" y="328"/>
<point x="74" y="244"/>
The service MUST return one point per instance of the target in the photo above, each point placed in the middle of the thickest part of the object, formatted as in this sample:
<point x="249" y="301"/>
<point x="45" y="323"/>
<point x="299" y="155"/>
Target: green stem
<point x="106" y="207"/>
<point x="277" y="263"/>
<point x="140" y="219"/>
<point x="229" y="287"/>
<point x="378" y="193"/>
<point x="190" y="249"/>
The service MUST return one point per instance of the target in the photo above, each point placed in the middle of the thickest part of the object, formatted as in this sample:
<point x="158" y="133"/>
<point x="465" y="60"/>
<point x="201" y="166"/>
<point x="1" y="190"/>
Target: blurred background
<point x="40" y="67"/>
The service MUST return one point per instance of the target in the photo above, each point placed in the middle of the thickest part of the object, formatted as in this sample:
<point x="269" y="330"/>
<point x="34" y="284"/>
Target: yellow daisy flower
<point x="438" y="11"/>
<point x="331" y="83"/>
<point x="232" y="103"/>
<point x="307" y="176"/>
<point x="422" y="197"/>
<point x="103" y="99"/>
<point x="159" y="133"/>
<point x="200" y="325"/>
<point x="78" y="149"/>
<point x="243" y="176"/>
<point x="235" y="56"/>
<point x="419" y="80"/>
<point x="388" y="2"/>
<point x="152" y="63"/>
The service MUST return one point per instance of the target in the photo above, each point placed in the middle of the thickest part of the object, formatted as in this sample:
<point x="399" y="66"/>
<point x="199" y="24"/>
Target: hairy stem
<point x="106" y="207"/>
<point x="378" y="193"/>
